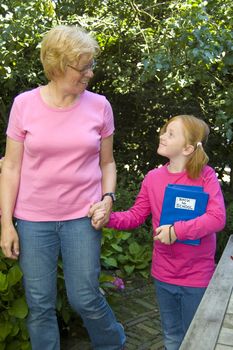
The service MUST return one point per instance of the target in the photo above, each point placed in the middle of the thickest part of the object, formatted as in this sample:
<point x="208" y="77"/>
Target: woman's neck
<point x="55" y="97"/>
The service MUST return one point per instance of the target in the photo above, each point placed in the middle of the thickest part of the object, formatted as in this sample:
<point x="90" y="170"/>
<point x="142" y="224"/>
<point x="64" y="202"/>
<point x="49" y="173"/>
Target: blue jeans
<point x="177" y="306"/>
<point x="79" y="244"/>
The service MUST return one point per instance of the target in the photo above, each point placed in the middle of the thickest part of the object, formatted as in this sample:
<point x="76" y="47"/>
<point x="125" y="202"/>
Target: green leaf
<point x="15" y="330"/>
<point x="105" y="278"/>
<point x="24" y="331"/>
<point x="116" y="247"/>
<point x="6" y="328"/>
<point x="25" y="345"/>
<point x="142" y="265"/>
<point x="111" y="262"/>
<point x="19" y="308"/>
<point x="125" y="235"/>
<point x="123" y="258"/>
<point x="59" y="303"/>
<point x="129" y="269"/>
<point x="144" y="273"/>
<point x="2" y="346"/>
<point x="135" y="248"/>
<point x="14" y="275"/>
<point x="66" y="315"/>
<point x="3" y="282"/>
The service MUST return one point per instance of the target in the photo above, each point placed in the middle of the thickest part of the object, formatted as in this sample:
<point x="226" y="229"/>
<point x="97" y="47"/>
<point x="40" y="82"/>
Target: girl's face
<point x="172" y="143"/>
<point x="77" y="76"/>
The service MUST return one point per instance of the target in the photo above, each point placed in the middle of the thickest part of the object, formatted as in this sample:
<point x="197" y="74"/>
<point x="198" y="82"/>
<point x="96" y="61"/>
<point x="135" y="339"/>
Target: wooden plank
<point x="205" y="327"/>
<point x="223" y="347"/>
<point x="226" y="333"/>
<point x="226" y="336"/>
<point x="230" y="306"/>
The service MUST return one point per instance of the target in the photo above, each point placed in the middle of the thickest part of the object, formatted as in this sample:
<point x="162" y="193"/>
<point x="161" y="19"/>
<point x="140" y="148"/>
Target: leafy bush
<point x="13" y="307"/>
<point x="121" y="251"/>
<point x="222" y="237"/>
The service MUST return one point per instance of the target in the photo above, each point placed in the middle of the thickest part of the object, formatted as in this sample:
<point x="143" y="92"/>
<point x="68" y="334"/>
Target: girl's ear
<point x="189" y="149"/>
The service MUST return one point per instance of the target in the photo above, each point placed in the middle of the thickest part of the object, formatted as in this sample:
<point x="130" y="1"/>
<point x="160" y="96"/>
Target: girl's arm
<point x="215" y="217"/>
<point x="136" y="215"/>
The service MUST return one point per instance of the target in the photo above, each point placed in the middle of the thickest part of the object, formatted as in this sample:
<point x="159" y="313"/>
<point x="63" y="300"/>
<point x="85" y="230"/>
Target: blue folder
<point x="182" y="203"/>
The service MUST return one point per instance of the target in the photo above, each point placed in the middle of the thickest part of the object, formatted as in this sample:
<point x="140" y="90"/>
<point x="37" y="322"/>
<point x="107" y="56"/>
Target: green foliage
<point x="22" y="25"/>
<point x="13" y="307"/>
<point x="158" y="59"/>
<point x="121" y="251"/>
<point x="222" y="237"/>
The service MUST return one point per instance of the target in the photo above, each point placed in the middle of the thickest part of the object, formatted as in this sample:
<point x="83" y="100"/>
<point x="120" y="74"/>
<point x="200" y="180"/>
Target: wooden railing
<point x="207" y="325"/>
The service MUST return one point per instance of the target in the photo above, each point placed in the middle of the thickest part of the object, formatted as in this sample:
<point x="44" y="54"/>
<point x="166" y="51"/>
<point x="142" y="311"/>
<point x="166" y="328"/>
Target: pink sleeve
<point x="215" y="217"/>
<point x="108" y="121"/>
<point x="15" y="128"/>
<point x="136" y="215"/>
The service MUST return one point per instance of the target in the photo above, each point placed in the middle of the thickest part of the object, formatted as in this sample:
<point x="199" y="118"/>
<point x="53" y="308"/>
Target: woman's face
<point x="77" y="75"/>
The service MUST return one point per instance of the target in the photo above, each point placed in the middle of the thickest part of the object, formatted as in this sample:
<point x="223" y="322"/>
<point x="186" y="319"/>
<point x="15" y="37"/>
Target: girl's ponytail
<point x="197" y="161"/>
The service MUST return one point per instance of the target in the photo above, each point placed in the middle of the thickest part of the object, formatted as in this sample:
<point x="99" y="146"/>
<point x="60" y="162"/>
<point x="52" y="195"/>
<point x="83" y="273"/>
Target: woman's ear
<point x="189" y="149"/>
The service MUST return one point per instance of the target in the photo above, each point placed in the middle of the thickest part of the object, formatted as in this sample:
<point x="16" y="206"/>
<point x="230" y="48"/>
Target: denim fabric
<point x="177" y="306"/>
<point x="79" y="245"/>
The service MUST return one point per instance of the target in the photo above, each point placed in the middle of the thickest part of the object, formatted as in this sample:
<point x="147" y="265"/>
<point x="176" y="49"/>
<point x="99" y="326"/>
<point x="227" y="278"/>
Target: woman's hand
<point x="100" y="213"/>
<point x="9" y="242"/>
<point x="164" y="236"/>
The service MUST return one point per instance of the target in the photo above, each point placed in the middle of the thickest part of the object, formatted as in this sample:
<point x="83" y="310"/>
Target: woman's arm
<point x="108" y="168"/>
<point x="10" y="177"/>
<point x="1" y="160"/>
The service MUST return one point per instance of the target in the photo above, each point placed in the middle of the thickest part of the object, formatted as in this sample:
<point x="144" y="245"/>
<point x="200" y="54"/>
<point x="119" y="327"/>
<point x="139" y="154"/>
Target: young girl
<point x="181" y="272"/>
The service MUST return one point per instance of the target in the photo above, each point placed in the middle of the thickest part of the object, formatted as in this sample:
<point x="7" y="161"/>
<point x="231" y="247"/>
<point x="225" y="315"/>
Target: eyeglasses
<point x="90" y="66"/>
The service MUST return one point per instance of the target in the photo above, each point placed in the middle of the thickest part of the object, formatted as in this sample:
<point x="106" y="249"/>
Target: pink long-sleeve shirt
<point x="179" y="263"/>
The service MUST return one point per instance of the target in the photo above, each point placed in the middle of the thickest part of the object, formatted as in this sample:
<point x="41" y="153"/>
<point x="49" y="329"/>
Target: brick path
<point x="137" y="310"/>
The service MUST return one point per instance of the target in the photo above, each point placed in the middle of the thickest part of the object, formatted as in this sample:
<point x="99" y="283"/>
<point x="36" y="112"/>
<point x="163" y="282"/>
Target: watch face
<point x="110" y="194"/>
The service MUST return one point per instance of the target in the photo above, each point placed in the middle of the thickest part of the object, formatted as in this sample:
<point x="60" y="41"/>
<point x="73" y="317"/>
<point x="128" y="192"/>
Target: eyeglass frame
<point x="85" y="69"/>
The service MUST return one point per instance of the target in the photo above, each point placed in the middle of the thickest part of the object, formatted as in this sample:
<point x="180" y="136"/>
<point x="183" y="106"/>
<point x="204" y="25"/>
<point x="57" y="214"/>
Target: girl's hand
<point x="10" y="242"/>
<point x="165" y="234"/>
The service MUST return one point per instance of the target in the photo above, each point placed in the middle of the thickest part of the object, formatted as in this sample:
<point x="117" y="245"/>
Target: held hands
<point x="100" y="212"/>
<point x="165" y="234"/>
<point x="9" y="242"/>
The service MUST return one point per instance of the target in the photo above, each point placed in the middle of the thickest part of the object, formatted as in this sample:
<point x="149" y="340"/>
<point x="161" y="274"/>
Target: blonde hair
<point x="196" y="133"/>
<point x="63" y="45"/>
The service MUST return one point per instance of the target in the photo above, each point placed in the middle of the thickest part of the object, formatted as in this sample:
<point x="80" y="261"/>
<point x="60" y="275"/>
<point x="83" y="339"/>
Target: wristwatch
<point x="110" y="194"/>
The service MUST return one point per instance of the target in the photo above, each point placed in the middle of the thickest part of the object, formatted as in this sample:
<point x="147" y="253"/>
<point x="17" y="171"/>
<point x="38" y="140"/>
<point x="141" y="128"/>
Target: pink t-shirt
<point x="60" y="175"/>
<point x="179" y="263"/>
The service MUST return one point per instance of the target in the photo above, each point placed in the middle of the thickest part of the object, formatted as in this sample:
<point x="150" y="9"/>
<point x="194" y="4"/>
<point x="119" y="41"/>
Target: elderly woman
<point x="58" y="162"/>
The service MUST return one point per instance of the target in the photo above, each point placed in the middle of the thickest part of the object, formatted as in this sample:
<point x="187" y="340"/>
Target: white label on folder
<point x="185" y="203"/>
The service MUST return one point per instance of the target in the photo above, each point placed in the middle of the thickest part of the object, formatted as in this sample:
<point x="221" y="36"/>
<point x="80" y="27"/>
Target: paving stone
<point x="137" y="310"/>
